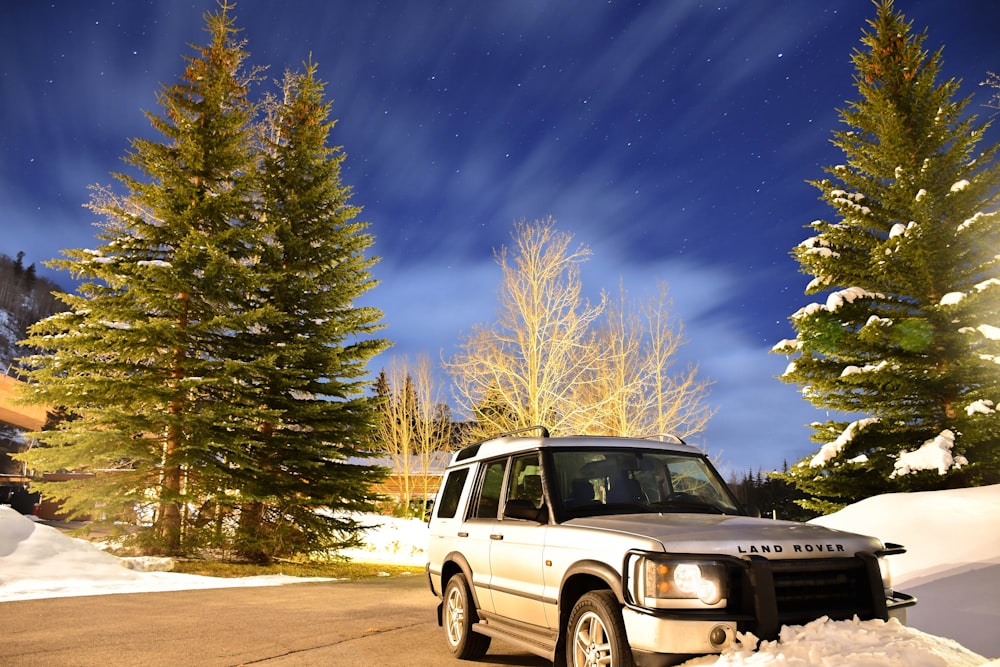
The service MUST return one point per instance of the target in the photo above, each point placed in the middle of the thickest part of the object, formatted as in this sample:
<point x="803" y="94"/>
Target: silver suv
<point x="617" y="551"/>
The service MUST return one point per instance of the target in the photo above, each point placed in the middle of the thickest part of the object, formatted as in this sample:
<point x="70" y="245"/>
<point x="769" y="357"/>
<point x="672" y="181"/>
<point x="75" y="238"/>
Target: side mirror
<point x="524" y="509"/>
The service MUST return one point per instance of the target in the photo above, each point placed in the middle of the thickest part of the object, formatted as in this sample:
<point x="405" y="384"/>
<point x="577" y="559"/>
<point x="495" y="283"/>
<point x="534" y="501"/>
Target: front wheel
<point x="595" y="634"/>
<point x="459" y="617"/>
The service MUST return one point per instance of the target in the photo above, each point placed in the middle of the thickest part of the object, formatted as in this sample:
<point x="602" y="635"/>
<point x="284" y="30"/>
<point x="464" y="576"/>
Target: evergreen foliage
<point x="211" y="360"/>
<point x="771" y="495"/>
<point x="905" y="344"/>
<point x="314" y="268"/>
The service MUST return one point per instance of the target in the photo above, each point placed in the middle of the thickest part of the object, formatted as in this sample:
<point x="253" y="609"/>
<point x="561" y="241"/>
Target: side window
<point x="487" y="505"/>
<point x="525" y="481"/>
<point x="447" y="504"/>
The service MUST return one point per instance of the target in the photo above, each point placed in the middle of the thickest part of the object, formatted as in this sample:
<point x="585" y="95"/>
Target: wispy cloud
<point x="430" y="306"/>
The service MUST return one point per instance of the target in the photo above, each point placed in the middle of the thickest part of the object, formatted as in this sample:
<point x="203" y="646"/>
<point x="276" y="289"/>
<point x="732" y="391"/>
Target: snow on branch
<point x="849" y="200"/>
<point x="935" y="454"/>
<point x="787" y="346"/>
<point x="899" y="229"/>
<point x="981" y="407"/>
<point x="971" y="221"/>
<point x="836" y="300"/>
<point x="989" y="331"/>
<point x="832" y="449"/>
<point x="818" y="282"/>
<point x="817" y="245"/>
<point x="867" y="368"/>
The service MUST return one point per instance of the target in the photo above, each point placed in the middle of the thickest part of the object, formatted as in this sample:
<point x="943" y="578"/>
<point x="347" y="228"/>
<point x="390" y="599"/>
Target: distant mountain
<point x="25" y="298"/>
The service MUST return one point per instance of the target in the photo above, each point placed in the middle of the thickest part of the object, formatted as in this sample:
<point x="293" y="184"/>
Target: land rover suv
<point x="617" y="551"/>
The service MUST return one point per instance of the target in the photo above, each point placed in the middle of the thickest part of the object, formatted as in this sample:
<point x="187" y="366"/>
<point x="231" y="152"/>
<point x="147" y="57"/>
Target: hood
<point x="734" y="535"/>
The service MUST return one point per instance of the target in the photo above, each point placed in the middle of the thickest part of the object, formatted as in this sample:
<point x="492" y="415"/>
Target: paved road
<point x="382" y="622"/>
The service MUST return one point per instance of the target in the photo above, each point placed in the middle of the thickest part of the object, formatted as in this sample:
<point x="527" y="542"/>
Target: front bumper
<point x="897" y="605"/>
<point x="653" y="634"/>
<point x="762" y="596"/>
<point x="649" y="633"/>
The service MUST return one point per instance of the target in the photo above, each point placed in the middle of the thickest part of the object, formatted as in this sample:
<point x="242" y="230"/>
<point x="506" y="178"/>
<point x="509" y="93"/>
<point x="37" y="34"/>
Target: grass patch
<point x="334" y="570"/>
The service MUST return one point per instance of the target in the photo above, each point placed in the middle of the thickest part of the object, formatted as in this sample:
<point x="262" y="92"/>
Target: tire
<point x="459" y="615"/>
<point x="595" y="634"/>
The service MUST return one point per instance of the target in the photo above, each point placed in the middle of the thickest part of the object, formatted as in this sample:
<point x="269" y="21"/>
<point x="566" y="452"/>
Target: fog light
<point x="719" y="636"/>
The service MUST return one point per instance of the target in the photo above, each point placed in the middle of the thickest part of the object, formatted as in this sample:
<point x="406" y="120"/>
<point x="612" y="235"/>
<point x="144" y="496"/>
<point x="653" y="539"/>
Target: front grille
<point x="805" y="590"/>
<point x="794" y="592"/>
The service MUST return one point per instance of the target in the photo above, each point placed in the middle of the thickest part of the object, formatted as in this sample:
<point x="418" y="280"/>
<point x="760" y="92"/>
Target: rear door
<point x="479" y="525"/>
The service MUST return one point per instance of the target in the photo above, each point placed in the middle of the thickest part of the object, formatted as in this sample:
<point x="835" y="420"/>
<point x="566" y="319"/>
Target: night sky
<point x="673" y="139"/>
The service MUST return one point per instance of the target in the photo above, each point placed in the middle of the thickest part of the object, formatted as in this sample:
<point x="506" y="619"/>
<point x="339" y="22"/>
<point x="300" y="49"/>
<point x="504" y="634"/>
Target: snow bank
<point x="847" y="644"/>
<point x="39" y="561"/>
<point x="952" y="559"/>
<point x="943" y="531"/>
<point x="392" y="541"/>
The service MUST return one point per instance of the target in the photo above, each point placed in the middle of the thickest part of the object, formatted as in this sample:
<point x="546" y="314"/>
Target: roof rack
<point x="470" y="450"/>
<point x="661" y="436"/>
<point x="544" y="432"/>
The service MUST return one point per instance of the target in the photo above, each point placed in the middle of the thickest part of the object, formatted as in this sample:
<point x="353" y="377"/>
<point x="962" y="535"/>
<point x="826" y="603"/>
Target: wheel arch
<point x="455" y="563"/>
<point x="581" y="578"/>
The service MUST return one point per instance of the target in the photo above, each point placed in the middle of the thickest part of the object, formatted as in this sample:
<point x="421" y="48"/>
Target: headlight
<point x="667" y="580"/>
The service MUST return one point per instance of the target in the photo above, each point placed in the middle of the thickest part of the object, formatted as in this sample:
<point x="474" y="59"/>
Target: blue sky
<point x="672" y="138"/>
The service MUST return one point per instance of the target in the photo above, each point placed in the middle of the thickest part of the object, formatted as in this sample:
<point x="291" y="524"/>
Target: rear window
<point x="487" y="505"/>
<point x="447" y="503"/>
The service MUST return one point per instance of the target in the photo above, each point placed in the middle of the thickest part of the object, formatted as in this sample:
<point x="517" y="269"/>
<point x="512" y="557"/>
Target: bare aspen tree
<point x="553" y="359"/>
<point x="523" y="369"/>
<point x="432" y="424"/>
<point x="415" y="426"/>
<point x="632" y="391"/>
<point x="679" y="404"/>
<point x="397" y="429"/>
<point x="615" y="396"/>
<point x="993" y="81"/>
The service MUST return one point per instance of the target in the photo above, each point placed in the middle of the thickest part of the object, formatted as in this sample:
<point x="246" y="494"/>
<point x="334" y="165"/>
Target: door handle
<point x="496" y="536"/>
<point x="462" y="533"/>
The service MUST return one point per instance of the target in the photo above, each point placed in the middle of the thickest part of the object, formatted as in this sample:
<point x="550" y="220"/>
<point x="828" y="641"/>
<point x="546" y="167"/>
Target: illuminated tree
<point x="906" y="343"/>
<point x="210" y="362"/>
<point x="553" y="359"/>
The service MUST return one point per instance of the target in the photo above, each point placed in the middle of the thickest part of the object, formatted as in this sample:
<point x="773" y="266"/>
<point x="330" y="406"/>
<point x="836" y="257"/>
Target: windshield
<point x="616" y="481"/>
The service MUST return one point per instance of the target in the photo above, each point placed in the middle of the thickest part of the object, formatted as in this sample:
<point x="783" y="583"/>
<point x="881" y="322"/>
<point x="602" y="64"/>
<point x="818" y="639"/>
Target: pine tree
<point x="905" y="344"/>
<point x="211" y="360"/>
<point x="141" y="359"/>
<point x="314" y="268"/>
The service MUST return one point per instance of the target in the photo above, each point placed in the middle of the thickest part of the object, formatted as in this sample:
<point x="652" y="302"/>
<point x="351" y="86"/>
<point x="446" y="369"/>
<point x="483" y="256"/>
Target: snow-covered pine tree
<point x="906" y="345"/>
<point x="312" y="271"/>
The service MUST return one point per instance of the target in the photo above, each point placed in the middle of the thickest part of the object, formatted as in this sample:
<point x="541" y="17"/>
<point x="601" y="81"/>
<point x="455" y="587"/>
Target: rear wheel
<point x="459" y="617"/>
<point x="595" y="634"/>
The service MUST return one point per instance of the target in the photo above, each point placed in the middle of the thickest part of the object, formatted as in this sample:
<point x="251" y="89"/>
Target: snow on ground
<point x="952" y="559"/>
<point x="952" y="565"/>
<point x="39" y="561"/>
